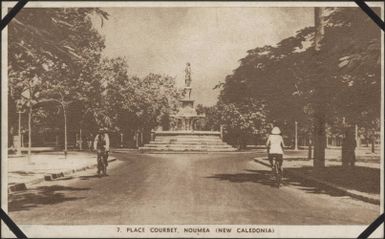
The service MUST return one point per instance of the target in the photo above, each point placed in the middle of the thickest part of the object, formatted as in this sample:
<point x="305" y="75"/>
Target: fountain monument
<point x="183" y="136"/>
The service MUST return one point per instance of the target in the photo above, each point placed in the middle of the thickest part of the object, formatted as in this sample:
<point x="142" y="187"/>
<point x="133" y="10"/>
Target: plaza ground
<point x="214" y="188"/>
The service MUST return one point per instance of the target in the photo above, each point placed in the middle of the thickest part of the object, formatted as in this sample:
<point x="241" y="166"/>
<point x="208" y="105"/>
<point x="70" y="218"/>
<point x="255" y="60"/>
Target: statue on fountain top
<point x="188" y="75"/>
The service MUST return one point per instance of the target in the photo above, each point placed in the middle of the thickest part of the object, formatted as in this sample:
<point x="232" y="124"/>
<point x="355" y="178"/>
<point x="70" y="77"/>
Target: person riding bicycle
<point x="102" y="146"/>
<point x="275" y="146"/>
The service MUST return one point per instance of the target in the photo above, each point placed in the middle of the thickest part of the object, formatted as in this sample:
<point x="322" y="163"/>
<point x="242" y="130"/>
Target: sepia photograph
<point x="192" y="119"/>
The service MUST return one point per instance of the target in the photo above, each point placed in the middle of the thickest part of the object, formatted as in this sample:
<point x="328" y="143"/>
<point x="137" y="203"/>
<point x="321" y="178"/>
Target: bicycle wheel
<point x="104" y="163"/>
<point x="278" y="175"/>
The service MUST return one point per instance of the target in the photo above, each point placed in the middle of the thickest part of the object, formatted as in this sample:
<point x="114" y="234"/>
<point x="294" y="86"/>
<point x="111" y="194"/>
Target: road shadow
<point x="266" y="177"/>
<point x="254" y="176"/>
<point x="362" y="179"/>
<point x="45" y="195"/>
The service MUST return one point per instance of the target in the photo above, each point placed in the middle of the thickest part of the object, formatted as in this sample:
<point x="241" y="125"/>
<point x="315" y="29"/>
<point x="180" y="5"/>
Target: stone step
<point x="183" y="137"/>
<point x="189" y="142"/>
<point x="187" y="136"/>
<point x="188" y="149"/>
<point x="187" y="133"/>
<point x="186" y="146"/>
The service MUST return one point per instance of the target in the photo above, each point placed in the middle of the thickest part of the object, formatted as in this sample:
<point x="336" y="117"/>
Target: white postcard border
<point x="89" y="231"/>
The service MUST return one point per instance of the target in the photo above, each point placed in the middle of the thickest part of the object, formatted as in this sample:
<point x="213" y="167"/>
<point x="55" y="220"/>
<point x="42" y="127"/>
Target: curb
<point x="50" y="177"/>
<point x="352" y="193"/>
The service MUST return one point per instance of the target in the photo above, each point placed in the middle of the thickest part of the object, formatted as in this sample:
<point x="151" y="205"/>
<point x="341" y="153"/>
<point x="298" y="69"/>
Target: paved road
<point x="185" y="189"/>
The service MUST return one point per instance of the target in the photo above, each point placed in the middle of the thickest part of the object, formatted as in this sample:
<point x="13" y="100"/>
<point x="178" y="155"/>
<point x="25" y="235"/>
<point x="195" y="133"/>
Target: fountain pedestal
<point x="187" y="116"/>
<point x="184" y="136"/>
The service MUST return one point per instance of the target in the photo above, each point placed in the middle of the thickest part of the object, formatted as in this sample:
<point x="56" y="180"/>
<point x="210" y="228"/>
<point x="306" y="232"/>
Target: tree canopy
<point x="56" y="60"/>
<point x="285" y="82"/>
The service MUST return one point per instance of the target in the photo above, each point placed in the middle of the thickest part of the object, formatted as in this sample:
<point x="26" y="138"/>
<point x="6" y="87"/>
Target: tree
<point x="131" y="103"/>
<point x="212" y="119"/>
<point x="352" y="41"/>
<point x="240" y="121"/>
<point x="267" y="74"/>
<point x="316" y="77"/>
<point x="60" y="48"/>
<point x="60" y="53"/>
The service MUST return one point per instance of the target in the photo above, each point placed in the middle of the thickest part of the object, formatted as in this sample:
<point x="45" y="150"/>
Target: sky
<point x="213" y="40"/>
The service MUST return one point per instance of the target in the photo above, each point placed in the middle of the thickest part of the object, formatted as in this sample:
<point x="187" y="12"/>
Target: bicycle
<point x="102" y="162"/>
<point x="277" y="172"/>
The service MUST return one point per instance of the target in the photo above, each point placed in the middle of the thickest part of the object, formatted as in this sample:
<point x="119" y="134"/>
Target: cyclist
<point x="102" y="147"/>
<point x="275" y="147"/>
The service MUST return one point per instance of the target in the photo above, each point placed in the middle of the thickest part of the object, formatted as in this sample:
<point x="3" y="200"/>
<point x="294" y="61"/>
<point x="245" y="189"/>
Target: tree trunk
<point x="22" y="141"/>
<point x="221" y="131"/>
<point x="320" y="114"/>
<point x="137" y="139"/>
<point x="358" y="139"/>
<point x="296" y="135"/>
<point x="19" y="135"/>
<point x="121" y="138"/>
<point x="65" y="130"/>
<point x="310" y="143"/>
<point x="80" y="139"/>
<point x="29" y="133"/>
<point x="319" y="140"/>
<point x="319" y="24"/>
